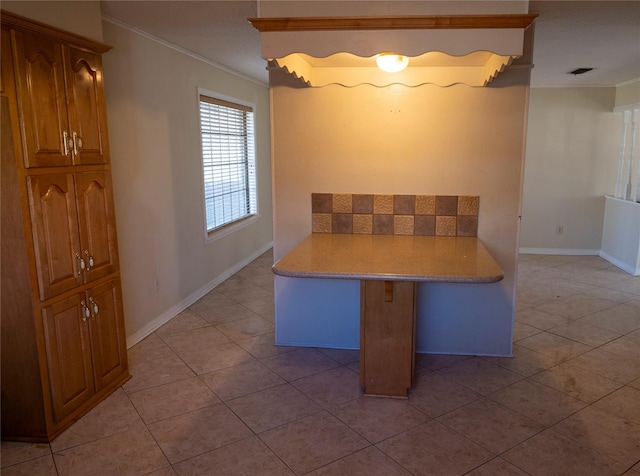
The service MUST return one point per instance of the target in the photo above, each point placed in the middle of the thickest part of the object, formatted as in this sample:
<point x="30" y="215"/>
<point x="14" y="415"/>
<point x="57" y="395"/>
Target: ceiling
<point x="604" y="35"/>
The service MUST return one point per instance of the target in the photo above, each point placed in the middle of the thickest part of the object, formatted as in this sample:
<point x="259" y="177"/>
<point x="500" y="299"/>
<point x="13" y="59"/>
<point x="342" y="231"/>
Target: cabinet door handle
<point x="65" y="143"/>
<point x="94" y="307"/>
<point x="89" y="259"/>
<point x="77" y="143"/>
<point x="86" y="313"/>
<point x="80" y="264"/>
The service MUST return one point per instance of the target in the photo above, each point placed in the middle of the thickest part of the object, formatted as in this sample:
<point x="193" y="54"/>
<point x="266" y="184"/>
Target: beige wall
<point x="571" y="163"/>
<point x="152" y="106"/>
<point x="80" y="17"/>
<point x="628" y="94"/>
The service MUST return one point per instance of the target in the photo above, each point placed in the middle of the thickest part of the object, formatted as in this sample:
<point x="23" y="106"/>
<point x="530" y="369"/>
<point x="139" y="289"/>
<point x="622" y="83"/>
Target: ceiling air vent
<point x="578" y="71"/>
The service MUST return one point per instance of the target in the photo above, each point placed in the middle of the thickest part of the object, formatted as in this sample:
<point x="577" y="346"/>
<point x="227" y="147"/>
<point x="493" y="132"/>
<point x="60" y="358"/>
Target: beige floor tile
<point x="185" y="436"/>
<point x="241" y="380"/>
<point x="151" y="373"/>
<point x="624" y="347"/>
<point x="243" y="458"/>
<point x="131" y="453"/>
<point x="150" y="348"/>
<point x="263" y="346"/>
<point x="343" y="356"/>
<point x="175" y="398"/>
<point x="185" y="321"/>
<point x="578" y="383"/>
<point x="432" y="448"/>
<point x="623" y="403"/>
<point x="576" y="306"/>
<point x="332" y="387"/>
<point x="491" y="425"/>
<point x="379" y="418"/>
<point x="195" y="339"/>
<point x="13" y="452"/>
<point x="216" y="309"/>
<point x="497" y="467"/>
<point x="367" y="462"/>
<point x="617" y="438"/>
<point x="550" y="453"/>
<point x="620" y="368"/>
<point x="524" y="362"/>
<point x="538" y="402"/>
<point x="522" y="330"/>
<point x="435" y="362"/>
<point x="299" y="363"/>
<point x="313" y="442"/>
<point x="585" y="333"/>
<point x="113" y="415"/>
<point x="215" y="358"/>
<point x="480" y="376"/>
<point x="272" y="407"/>
<point x="168" y="471"/>
<point x="41" y="466"/>
<point x="435" y="395"/>
<point x="621" y="318"/>
<point x="555" y="347"/>
<point x="539" y="319"/>
<point x="262" y="307"/>
<point x="244" y="328"/>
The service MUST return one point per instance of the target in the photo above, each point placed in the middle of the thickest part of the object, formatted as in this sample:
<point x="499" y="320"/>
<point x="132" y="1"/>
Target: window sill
<point x="225" y="230"/>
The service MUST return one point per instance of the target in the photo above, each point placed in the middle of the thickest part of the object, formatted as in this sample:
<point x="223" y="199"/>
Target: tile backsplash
<point x="379" y="214"/>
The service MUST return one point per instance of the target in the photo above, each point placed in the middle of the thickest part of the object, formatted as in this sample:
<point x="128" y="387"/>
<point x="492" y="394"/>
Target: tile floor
<point x="210" y="394"/>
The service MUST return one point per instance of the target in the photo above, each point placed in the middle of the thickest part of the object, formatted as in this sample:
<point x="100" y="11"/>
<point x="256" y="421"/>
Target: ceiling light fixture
<point x="391" y="62"/>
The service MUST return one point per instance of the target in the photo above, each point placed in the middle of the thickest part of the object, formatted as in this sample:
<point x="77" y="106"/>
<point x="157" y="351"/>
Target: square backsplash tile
<point x="386" y="214"/>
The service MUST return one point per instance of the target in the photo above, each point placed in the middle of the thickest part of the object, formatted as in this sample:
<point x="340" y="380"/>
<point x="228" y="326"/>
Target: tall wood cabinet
<point x="63" y="337"/>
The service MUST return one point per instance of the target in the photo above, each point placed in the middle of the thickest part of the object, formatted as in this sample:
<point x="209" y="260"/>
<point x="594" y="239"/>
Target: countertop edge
<point x="388" y="277"/>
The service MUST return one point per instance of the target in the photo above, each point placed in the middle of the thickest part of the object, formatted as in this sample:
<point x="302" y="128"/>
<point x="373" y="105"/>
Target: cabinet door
<point x="86" y="106"/>
<point x="97" y="224"/>
<point x="108" y="343"/>
<point x="55" y="233"/>
<point x="41" y="100"/>
<point x="68" y="350"/>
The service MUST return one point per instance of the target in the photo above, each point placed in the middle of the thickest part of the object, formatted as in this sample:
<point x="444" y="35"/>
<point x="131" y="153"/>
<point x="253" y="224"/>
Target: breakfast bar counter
<point x="443" y="259"/>
<point x="388" y="267"/>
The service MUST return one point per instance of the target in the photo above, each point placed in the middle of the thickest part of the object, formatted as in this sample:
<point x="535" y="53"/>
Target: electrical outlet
<point x="559" y="229"/>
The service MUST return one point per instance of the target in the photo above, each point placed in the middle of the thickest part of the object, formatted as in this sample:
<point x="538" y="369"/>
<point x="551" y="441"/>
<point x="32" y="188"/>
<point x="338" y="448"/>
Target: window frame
<point x="239" y="223"/>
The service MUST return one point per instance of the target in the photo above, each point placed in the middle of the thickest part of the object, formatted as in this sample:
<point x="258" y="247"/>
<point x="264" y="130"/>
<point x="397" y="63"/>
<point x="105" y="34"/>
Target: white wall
<point x="152" y="107"/>
<point x="571" y="163"/>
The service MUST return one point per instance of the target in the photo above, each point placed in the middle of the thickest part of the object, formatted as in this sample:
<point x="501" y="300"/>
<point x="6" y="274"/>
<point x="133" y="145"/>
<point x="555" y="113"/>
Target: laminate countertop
<point x="440" y="259"/>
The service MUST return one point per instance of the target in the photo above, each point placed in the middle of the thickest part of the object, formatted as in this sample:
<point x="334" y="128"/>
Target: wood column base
<point x="387" y="337"/>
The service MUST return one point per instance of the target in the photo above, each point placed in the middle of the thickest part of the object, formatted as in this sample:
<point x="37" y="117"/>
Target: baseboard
<point x="620" y="264"/>
<point x="559" y="251"/>
<point x="192" y="298"/>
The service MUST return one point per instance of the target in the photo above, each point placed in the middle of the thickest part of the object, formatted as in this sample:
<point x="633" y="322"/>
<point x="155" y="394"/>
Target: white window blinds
<point x="228" y="159"/>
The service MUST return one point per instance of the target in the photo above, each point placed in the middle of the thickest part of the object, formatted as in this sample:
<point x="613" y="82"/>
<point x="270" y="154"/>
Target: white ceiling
<point x="604" y="35"/>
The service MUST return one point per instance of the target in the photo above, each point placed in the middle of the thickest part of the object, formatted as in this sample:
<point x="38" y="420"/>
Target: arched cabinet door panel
<point x="55" y="233"/>
<point x="68" y="348"/>
<point x="97" y="224"/>
<point x="87" y="111"/>
<point x="42" y="101"/>
<point x="107" y="333"/>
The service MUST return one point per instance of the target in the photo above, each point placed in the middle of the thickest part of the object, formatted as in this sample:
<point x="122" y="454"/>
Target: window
<point x="228" y="159"/>
<point x="628" y="181"/>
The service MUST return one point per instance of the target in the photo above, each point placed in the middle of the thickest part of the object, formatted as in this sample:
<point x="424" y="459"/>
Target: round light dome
<point x="391" y="62"/>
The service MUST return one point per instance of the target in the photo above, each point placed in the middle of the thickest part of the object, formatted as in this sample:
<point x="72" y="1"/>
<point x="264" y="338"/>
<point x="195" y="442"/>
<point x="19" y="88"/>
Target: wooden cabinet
<point x="84" y="346"/>
<point x="63" y="337"/>
<point x="61" y="97"/>
<point x="387" y="337"/>
<point x="72" y="221"/>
